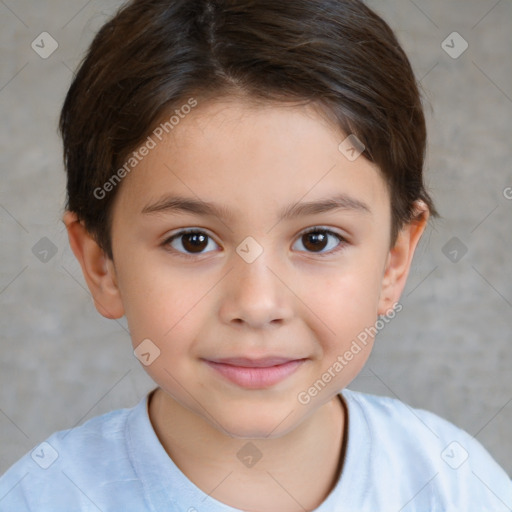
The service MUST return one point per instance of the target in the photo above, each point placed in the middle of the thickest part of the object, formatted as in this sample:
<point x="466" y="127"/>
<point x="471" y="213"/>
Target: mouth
<point x="255" y="373"/>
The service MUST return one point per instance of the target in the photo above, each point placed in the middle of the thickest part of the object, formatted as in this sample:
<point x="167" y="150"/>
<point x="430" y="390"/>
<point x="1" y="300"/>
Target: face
<point x="227" y="275"/>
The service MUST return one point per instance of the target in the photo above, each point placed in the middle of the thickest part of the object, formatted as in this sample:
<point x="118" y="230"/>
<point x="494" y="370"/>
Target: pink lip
<point x="255" y="373"/>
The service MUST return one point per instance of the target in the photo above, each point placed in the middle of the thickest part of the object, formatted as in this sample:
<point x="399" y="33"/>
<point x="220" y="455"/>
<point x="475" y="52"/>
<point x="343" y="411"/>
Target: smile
<point x="255" y="374"/>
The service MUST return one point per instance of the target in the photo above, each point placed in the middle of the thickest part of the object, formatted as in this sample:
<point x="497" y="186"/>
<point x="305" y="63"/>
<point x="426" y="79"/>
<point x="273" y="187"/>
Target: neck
<point x="296" y="471"/>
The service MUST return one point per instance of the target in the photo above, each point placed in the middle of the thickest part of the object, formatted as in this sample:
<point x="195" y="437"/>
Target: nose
<point x="255" y="295"/>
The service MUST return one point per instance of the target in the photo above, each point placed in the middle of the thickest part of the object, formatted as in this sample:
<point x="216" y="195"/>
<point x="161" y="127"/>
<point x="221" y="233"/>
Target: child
<point x="210" y="145"/>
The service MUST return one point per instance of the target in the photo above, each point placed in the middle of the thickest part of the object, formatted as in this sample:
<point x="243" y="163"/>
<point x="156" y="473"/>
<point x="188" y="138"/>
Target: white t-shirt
<point x="397" y="459"/>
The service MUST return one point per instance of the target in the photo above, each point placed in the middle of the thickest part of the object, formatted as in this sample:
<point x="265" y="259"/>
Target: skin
<point x="291" y="300"/>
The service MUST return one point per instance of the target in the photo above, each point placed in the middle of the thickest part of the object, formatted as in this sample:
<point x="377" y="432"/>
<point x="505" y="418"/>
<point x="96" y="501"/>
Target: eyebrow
<point x="180" y="204"/>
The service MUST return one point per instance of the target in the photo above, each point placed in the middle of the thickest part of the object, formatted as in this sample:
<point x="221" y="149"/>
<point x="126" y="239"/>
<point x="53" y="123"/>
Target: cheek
<point x="345" y="301"/>
<point x="163" y="323"/>
<point x="161" y="315"/>
<point x="154" y="298"/>
<point x="345" y="307"/>
<point x="169" y="308"/>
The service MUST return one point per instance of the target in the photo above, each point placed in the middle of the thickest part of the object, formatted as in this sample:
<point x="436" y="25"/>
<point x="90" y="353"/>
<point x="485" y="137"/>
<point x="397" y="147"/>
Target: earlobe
<point x="399" y="259"/>
<point x="98" y="269"/>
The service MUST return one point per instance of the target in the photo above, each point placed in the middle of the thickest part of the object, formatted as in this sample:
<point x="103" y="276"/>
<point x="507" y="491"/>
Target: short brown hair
<point x="154" y="54"/>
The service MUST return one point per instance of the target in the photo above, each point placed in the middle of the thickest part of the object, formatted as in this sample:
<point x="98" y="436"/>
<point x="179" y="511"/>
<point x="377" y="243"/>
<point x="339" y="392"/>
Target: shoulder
<point x="455" y="468"/>
<point x="70" y="466"/>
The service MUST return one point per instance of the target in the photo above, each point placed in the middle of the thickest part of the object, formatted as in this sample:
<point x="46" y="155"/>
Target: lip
<point x="255" y="373"/>
<point x="262" y="362"/>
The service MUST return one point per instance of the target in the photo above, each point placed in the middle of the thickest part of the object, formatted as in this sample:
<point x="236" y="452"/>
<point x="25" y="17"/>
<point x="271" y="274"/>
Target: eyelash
<point x="314" y="229"/>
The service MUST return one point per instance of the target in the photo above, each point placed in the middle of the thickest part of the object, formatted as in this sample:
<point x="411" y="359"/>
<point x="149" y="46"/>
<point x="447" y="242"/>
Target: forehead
<point x="251" y="160"/>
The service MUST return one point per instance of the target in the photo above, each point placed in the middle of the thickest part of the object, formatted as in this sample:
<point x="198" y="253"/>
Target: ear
<point x="400" y="257"/>
<point x="98" y="269"/>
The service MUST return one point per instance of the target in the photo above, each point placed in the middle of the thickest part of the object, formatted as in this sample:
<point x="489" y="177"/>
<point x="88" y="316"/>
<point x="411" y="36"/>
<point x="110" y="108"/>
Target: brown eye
<point x="314" y="241"/>
<point x="194" y="242"/>
<point x="317" y="239"/>
<point x="189" y="242"/>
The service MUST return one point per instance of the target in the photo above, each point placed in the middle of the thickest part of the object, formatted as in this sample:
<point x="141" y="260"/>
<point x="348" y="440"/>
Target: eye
<point x="189" y="242"/>
<point x="317" y="238"/>
<point x="193" y="242"/>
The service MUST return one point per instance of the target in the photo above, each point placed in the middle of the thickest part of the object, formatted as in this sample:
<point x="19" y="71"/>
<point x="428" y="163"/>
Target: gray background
<point x="448" y="351"/>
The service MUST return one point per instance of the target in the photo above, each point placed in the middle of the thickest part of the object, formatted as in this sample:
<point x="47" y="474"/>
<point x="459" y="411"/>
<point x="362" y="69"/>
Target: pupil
<point x="195" y="241"/>
<point x="315" y="237"/>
